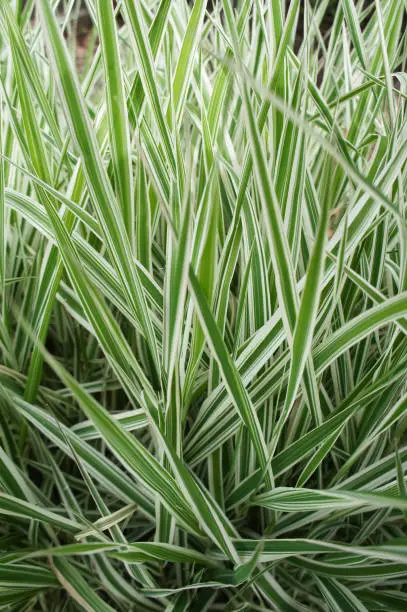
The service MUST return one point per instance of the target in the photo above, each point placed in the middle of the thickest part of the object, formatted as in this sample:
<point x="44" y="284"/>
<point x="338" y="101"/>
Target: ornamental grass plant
<point x="203" y="315"/>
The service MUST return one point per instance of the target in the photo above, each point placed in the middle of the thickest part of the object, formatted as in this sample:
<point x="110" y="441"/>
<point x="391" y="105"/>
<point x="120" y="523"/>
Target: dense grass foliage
<point x="203" y="316"/>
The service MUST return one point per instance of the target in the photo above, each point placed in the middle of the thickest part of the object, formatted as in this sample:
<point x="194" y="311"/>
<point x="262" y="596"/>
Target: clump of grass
<point x="203" y="322"/>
